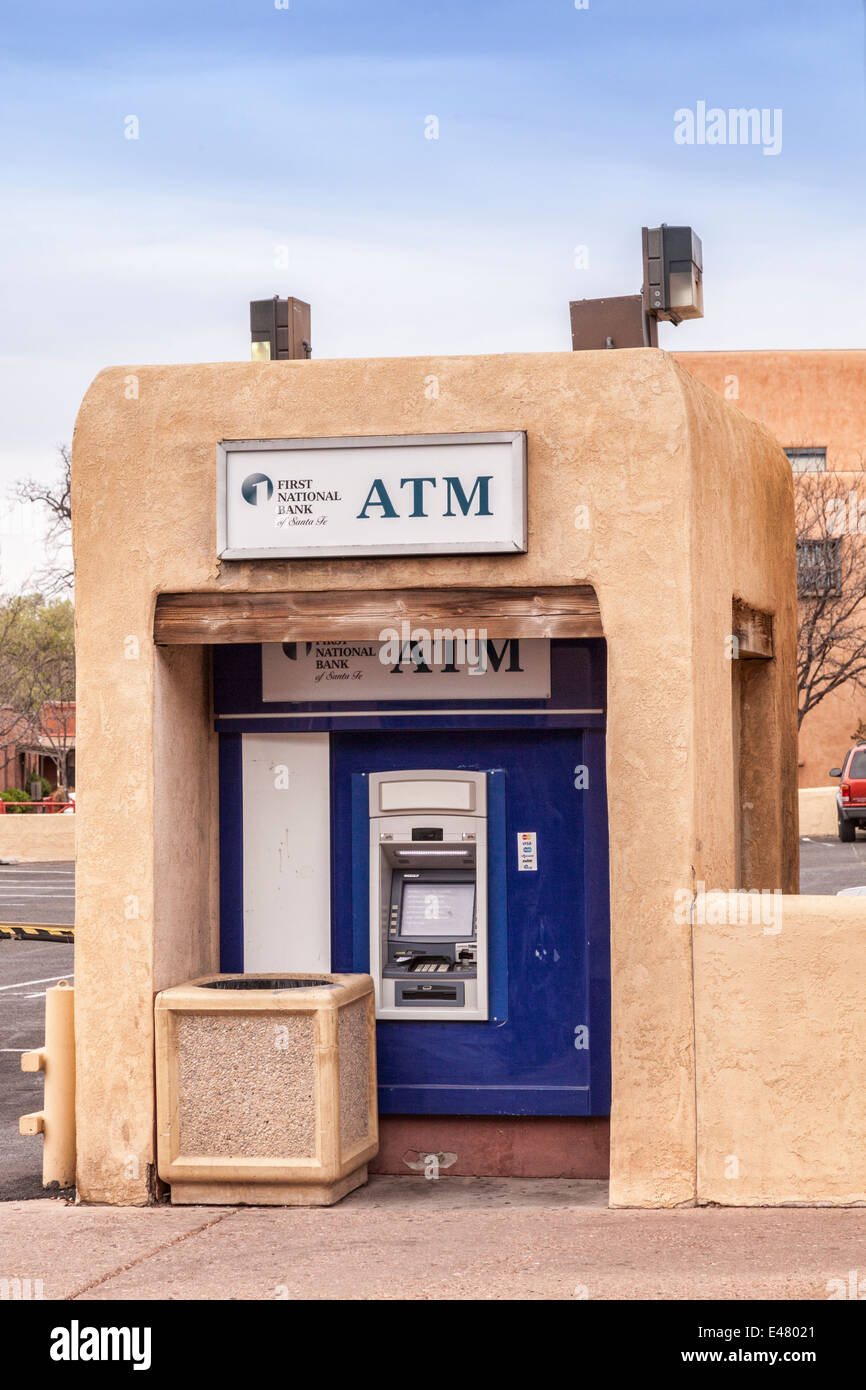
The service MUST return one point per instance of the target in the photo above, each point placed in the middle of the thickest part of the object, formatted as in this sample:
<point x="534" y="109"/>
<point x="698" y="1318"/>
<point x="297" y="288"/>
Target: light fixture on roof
<point x="673" y="273"/>
<point x="673" y="289"/>
<point x="279" y="329"/>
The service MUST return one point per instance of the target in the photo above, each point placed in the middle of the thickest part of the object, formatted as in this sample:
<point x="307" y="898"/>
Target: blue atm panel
<point x="544" y="1050"/>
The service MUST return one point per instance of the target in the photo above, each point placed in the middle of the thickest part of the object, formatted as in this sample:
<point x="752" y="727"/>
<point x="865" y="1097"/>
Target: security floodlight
<point x="279" y="329"/>
<point x="673" y="276"/>
<point x="673" y="273"/>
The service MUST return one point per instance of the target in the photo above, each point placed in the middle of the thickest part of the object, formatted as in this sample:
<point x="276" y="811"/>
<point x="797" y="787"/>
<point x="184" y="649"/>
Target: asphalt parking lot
<point x="43" y="893"/>
<point x="29" y="893"/>
<point x="826" y="865"/>
<point x="27" y="969"/>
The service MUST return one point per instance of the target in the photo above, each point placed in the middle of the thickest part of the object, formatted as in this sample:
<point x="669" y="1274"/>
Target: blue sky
<point x="285" y="151"/>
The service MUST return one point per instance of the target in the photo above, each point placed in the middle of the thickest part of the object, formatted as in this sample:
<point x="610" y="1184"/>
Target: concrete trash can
<point x="266" y="1088"/>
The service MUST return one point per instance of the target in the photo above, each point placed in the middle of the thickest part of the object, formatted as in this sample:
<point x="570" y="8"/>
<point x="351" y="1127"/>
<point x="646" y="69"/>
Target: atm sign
<point x="425" y="494"/>
<point x="447" y="668"/>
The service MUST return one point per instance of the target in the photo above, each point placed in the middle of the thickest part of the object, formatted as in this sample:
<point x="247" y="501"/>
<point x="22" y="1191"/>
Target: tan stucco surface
<point x="780" y="1039"/>
<point x="818" y="810"/>
<point x="38" y="838"/>
<point x="690" y="503"/>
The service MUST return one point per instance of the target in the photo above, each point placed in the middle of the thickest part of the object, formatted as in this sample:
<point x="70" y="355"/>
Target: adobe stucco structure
<point x="690" y="507"/>
<point x="808" y="399"/>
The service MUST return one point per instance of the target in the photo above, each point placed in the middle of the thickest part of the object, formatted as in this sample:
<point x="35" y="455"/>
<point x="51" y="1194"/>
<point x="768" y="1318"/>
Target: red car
<point x="851" y="796"/>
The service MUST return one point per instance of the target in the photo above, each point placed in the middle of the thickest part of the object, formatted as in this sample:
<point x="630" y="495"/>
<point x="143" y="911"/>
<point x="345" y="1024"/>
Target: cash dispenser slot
<point x="425" y="995"/>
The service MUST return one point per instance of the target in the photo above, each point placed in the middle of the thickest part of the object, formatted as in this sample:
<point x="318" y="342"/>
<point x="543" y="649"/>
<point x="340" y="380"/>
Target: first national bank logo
<point x="256" y="489"/>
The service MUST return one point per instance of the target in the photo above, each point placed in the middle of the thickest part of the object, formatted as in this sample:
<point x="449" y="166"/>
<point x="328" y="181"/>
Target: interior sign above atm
<point x="460" y="666"/>
<point x="424" y="494"/>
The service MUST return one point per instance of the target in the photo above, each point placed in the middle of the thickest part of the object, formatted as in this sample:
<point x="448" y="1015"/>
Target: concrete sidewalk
<point x="408" y="1238"/>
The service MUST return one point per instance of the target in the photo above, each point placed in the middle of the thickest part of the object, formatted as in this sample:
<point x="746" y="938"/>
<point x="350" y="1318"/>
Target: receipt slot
<point x="428" y="894"/>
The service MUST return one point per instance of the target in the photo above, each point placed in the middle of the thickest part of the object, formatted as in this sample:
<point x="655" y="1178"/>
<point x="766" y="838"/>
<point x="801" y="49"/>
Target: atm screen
<point x="438" y="908"/>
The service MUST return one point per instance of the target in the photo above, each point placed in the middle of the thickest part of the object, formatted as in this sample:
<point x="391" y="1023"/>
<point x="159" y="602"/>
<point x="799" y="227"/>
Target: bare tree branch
<point x="55" y="499"/>
<point x="830" y="516"/>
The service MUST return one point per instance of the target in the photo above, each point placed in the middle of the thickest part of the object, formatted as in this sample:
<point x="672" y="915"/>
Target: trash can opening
<point x="277" y="982"/>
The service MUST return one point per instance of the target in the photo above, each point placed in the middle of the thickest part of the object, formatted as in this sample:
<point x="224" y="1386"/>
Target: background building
<point x="815" y="404"/>
<point x="43" y="746"/>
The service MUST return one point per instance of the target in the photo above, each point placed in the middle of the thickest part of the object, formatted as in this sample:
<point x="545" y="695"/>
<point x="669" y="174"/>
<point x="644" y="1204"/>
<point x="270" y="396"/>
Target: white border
<point x="516" y="544"/>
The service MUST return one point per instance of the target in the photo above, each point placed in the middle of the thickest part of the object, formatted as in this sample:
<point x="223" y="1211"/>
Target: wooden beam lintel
<point x="753" y="630"/>
<point x="185" y="619"/>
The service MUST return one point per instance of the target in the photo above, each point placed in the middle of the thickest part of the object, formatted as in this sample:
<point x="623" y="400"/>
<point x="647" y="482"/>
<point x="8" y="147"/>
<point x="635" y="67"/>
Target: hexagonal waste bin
<point x="266" y="1088"/>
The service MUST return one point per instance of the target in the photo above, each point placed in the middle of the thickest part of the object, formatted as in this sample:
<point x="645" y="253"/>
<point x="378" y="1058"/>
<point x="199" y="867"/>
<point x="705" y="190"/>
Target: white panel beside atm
<point x="428" y="895"/>
<point x="287" y="852"/>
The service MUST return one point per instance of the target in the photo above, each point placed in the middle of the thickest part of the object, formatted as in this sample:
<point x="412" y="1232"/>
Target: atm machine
<point x="428" y="894"/>
<point x="452" y="853"/>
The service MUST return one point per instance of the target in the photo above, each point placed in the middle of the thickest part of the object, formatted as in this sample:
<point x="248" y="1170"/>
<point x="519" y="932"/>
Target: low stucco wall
<point x="817" y="810"/>
<point x="40" y="838"/>
<point x="780" y="1037"/>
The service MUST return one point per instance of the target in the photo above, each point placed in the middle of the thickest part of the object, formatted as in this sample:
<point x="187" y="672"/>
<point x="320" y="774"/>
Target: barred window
<point x="809" y="460"/>
<point x="819" y="567"/>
